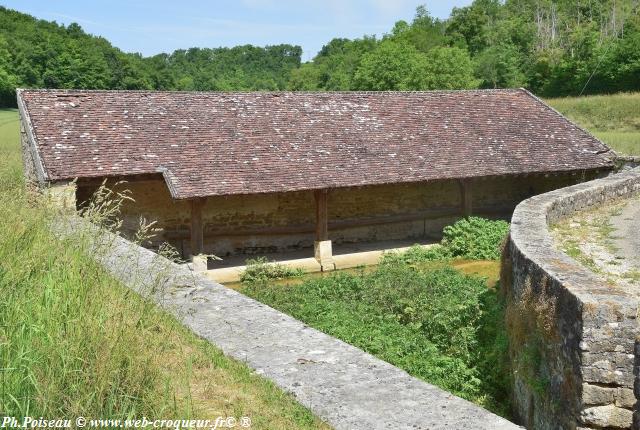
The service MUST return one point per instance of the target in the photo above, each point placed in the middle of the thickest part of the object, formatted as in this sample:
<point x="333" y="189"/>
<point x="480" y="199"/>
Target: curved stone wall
<point x="572" y="335"/>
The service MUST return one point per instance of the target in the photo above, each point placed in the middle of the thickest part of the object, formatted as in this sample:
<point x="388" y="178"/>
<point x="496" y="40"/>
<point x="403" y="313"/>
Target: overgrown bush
<point x="260" y="270"/>
<point x="475" y="238"/>
<point x="438" y="325"/>
<point x="471" y="238"/>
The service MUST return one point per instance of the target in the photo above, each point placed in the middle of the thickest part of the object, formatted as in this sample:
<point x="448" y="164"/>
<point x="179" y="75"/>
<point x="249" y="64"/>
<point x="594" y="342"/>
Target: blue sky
<point x="150" y="27"/>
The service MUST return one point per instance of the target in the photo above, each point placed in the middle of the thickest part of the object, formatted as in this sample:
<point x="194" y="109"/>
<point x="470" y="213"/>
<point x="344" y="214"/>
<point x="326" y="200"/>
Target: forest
<point x="552" y="47"/>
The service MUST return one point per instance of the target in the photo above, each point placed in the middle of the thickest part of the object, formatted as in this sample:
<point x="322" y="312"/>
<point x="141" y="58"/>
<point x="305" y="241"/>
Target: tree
<point x="500" y="66"/>
<point x="8" y="81"/>
<point x="469" y="27"/>
<point x="336" y="63"/>
<point x="306" y="78"/>
<point x="391" y="66"/>
<point x="424" y="33"/>
<point x="447" y="69"/>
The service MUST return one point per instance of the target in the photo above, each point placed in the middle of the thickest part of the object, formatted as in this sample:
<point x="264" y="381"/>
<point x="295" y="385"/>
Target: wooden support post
<point x="322" y="244"/>
<point x="322" y="215"/>
<point x="197" y="229"/>
<point x="466" y="197"/>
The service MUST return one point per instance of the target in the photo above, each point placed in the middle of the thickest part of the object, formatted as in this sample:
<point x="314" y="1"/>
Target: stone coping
<point x="341" y="384"/>
<point x="530" y="232"/>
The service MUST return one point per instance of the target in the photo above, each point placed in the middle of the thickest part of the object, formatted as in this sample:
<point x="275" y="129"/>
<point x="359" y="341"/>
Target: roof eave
<point x="40" y="170"/>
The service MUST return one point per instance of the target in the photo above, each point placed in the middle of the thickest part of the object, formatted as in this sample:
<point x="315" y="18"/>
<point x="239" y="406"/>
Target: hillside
<point x="615" y="118"/>
<point x="40" y="54"/>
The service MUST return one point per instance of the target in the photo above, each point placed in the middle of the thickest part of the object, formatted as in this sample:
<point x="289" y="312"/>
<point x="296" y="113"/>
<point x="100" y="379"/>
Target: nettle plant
<point x="475" y="238"/>
<point x="472" y="238"/>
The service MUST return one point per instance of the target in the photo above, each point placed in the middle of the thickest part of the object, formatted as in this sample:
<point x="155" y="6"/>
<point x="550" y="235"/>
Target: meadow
<point x="73" y="341"/>
<point x="615" y="119"/>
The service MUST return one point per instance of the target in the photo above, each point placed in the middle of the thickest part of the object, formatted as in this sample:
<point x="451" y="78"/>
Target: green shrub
<point x="428" y="323"/>
<point x="260" y="270"/>
<point x="475" y="238"/>
<point x="418" y="254"/>
<point x="472" y="238"/>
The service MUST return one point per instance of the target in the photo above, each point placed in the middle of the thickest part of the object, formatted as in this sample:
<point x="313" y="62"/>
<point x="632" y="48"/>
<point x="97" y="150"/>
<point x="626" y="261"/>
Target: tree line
<point x="552" y="47"/>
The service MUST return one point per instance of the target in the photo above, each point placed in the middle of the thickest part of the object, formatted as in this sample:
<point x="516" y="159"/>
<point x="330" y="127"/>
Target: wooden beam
<point x="466" y="197"/>
<point x="96" y="182"/>
<point x="343" y="224"/>
<point x="322" y="216"/>
<point x="197" y="229"/>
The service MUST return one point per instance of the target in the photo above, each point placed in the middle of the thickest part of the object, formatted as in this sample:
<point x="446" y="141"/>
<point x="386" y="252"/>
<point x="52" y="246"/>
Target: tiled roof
<point x="223" y="143"/>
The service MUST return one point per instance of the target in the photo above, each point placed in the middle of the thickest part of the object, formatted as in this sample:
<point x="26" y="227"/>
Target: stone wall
<point x="628" y="162"/>
<point x="572" y="334"/>
<point x="344" y="386"/>
<point x="278" y="222"/>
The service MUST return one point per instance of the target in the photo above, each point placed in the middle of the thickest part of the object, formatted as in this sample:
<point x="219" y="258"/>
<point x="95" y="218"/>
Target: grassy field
<point x="75" y="342"/>
<point x="615" y="119"/>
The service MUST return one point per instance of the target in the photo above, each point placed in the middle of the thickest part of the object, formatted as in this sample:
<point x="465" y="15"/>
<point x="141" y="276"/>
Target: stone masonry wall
<point x="276" y="222"/>
<point x="573" y="336"/>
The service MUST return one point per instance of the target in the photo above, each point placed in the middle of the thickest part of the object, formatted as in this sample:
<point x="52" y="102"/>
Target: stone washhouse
<point x="260" y="172"/>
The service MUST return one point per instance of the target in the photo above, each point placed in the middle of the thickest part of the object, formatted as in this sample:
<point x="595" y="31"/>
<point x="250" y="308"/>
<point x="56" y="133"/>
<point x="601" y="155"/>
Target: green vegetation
<point x="626" y="143"/>
<point x="396" y="66"/>
<point x="471" y="238"/>
<point x="260" y="269"/>
<point x="73" y="341"/>
<point x="418" y="310"/>
<point x="40" y="54"/>
<point x="475" y="238"/>
<point x="615" y="118"/>
<point x="553" y="47"/>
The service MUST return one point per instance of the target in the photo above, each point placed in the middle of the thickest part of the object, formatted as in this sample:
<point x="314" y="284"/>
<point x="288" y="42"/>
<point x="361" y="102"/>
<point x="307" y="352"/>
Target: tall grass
<point x="624" y="142"/>
<point x="73" y="341"/>
<point x="613" y="118"/>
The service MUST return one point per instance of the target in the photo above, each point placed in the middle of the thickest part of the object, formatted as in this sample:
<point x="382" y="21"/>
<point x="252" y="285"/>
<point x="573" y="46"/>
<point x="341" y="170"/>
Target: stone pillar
<point x="324" y="255"/>
<point x="62" y="195"/>
<point x="322" y="244"/>
<point x="199" y="263"/>
<point x="197" y="235"/>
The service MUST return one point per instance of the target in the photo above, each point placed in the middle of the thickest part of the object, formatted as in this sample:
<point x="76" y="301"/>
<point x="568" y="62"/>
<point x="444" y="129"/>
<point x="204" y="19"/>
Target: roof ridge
<point x="279" y="92"/>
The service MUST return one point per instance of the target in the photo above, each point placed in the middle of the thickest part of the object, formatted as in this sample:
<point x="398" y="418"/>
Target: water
<point x="489" y="269"/>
